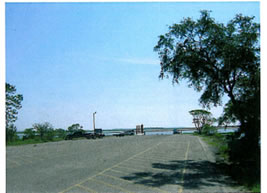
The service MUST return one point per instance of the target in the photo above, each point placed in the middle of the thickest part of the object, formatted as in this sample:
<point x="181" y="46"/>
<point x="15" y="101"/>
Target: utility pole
<point x="94" y="121"/>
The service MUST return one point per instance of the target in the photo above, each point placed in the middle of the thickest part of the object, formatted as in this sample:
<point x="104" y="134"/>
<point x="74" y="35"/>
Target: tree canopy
<point x="13" y="104"/>
<point x="200" y="118"/>
<point x="45" y="130"/>
<point x="75" y="127"/>
<point x="211" y="56"/>
<point x="216" y="59"/>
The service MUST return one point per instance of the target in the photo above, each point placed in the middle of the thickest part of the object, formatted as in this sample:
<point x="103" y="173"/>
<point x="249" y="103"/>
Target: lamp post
<point x="94" y="120"/>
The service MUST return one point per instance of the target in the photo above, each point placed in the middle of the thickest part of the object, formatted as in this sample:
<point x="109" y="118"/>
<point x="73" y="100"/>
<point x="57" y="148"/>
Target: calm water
<point x="108" y="133"/>
<point x="20" y="135"/>
<point x="171" y="132"/>
<point x="159" y="132"/>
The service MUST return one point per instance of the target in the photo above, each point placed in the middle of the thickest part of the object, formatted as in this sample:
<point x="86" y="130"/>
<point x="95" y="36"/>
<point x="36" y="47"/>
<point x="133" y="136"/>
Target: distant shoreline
<point x="155" y="129"/>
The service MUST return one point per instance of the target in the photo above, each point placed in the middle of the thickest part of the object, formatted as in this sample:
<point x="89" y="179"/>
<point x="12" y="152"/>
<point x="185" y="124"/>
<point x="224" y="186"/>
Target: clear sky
<point x="72" y="59"/>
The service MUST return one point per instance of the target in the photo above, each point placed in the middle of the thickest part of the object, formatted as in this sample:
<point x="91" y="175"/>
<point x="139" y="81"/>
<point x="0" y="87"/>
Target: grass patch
<point x="243" y="173"/>
<point x="256" y="188"/>
<point x="218" y="141"/>
<point x="31" y="141"/>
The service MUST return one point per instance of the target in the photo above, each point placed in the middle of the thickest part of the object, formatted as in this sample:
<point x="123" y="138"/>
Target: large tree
<point x="201" y="118"/>
<point x="61" y="133"/>
<point x="29" y="133"/>
<point x="218" y="59"/>
<point x="75" y="127"/>
<point x="13" y="104"/>
<point x="45" y="130"/>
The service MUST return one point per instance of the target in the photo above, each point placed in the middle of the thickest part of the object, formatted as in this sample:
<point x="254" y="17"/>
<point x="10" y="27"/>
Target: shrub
<point x="45" y="131"/>
<point x="29" y="133"/>
<point x="60" y="133"/>
<point x="11" y="133"/>
<point x="75" y="127"/>
<point x="209" y="130"/>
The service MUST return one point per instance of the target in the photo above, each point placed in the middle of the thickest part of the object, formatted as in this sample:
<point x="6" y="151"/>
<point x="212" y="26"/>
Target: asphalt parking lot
<point x="173" y="163"/>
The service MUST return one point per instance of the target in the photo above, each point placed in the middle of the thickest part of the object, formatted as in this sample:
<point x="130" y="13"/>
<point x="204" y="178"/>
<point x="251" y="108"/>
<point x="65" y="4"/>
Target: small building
<point x="140" y="129"/>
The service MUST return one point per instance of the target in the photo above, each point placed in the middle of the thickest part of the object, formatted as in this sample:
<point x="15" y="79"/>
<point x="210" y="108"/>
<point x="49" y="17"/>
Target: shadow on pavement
<point x="198" y="174"/>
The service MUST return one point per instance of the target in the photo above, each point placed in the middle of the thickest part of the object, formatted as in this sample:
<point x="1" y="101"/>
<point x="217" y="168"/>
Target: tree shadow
<point x="189" y="174"/>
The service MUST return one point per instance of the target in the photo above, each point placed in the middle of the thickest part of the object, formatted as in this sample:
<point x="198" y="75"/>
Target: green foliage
<point x="45" y="131"/>
<point x="24" y="142"/>
<point x="212" y="56"/>
<point x="11" y="133"/>
<point x="13" y="104"/>
<point x="60" y="133"/>
<point x="36" y="140"/>
<point x="75" y="127"/>
<point x="41" y="132"/>
<point x="245" y="173"/>
<point x="201" y="118"/>
<point x="219" y="141"/>
<point x="49" y="134"/>
<point x="219" y="59"/>
<point x="29" y="133"/>
<point x="200" y="112"/>
<point x="209" y="130"/>
<point x="256" y="188"/>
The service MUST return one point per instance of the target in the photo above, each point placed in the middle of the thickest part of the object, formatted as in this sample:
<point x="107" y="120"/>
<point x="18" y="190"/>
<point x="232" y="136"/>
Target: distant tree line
<point x="46" y="132"/>
<point x="39" y="131"/>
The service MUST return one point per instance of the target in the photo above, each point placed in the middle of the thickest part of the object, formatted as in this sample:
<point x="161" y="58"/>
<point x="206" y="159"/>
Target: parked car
<point x="99" y="133"/>
<point x="119" y="134"/>
<point x="129" y="132"/>
<point x="79" y="134"/>
<point x="176" y="131"/>
<point x="125" y="133"/>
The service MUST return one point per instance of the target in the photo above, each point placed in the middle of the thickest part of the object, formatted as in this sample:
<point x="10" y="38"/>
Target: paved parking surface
<point x="177" y="163"/>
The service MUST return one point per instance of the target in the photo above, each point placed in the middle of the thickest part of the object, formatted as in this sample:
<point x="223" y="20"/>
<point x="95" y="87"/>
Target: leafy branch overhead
<point x="216" y="59"/>
<point x="213" y="57"/>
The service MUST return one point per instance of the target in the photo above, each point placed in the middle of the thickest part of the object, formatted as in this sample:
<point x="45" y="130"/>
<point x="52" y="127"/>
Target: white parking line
<point x="13" y="162"/>
<point x="86" y="188"/>
<point x="184" y="170"/>
<point x="128" y="181"/>
<point x="148" y="149"/>
<point x="111" y="185"/>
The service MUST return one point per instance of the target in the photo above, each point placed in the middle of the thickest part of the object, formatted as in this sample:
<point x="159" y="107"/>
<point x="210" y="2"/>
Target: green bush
<point x="60" y="133"/>
<point x="75" y="127"/>
<point x="209" y="130"/>
<point x="29" y="133"/>
<point x="242" y="166"/>
<point x="45" y="131"/>
<point x="49" y="134"/>
<point x="11" y="133"/>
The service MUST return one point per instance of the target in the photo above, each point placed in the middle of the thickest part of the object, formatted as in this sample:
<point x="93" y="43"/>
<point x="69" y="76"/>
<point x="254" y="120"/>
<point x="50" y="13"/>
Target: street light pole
<point x="94" y="120"/>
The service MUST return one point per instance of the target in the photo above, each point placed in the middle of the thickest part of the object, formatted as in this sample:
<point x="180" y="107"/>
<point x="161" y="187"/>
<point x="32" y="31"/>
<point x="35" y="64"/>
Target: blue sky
<point x="72" y="59"/>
